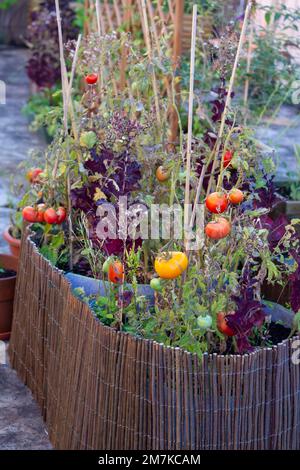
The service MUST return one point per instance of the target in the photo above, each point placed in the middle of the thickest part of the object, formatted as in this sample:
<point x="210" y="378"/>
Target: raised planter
<point x="13" y="23"/>
<point x="14" y="243"/>
<point x="93" y="286"/>
<point x="7" y="290"/>
<point x="103" y="389"/>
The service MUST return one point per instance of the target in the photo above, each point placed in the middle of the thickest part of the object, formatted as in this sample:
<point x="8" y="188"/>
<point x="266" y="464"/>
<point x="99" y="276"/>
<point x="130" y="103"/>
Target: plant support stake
<point x="228" y="97"/>
<point x="190" y="124"/>
<point x="149" y="50"/>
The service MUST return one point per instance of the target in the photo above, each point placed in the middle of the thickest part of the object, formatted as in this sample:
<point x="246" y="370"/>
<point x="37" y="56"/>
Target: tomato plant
<point x="204" y="322"/>
<point x="50" y="216"/>
<point x="236" y="196"/>
<point x="61" y="215"/>
<point x="33" y="175"/>
<point x="29" y="214"/>
<point x="227" y="158"/>
<point x="40" y="212"/>
<point x="162" y="174"/>
<point x="218" y="228"/>
<point x="223" y="326"/>
<point x="156" y="284"/>
<point x="116" y="272"/>
<point x="171" y="265"/>
<point x="217" y="202"/>
<point x="91" y="79"/>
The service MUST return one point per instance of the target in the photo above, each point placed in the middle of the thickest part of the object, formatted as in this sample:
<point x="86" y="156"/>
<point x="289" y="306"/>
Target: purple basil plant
<point x="43" y="66"/>
<point x="117" y="174"/>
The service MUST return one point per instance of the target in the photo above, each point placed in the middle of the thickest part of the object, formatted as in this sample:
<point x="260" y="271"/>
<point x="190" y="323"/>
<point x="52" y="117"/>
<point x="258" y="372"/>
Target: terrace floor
<point x="21" y="425"/>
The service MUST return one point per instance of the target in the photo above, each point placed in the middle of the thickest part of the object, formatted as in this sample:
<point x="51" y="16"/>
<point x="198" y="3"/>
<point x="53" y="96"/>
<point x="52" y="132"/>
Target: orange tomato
<point x="217" y="229"/>
<point x="236" y="196"/>
<point x="222" y="324"/>
<point x="162" y="174"/>
<point x="116" y="272"/>
<point x="171" y="265"/>
<point x="217" y="202"/>
<point x="33" y="175"/>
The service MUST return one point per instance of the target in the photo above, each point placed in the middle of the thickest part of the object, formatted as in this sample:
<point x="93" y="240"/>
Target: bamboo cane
<point x="100" y="21"/>
<point x="86" y="17"/>
<point x="66" y="89"/>
<point x="177" y="50"/>
<point x="171" y="10"/>
<point x="246" y="89"/>
<point x="228" y="97"/>
<point x="117" y="12"/>
<point x="157" y="45"/>
<point x="127" y="18"/>
<point x="100" y="30"/>
<point x="63" y="69"/>
<point x="190" y="121"/>
<point x="149" y="50"/>
<point x="162" y="17"/>
<point x="69" y="104"/>
<point x="97" y="4"/>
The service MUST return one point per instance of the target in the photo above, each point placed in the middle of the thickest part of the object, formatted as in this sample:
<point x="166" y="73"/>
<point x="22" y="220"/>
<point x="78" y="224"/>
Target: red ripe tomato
<point x="50" y="216"/>
<point x="217" y="202"/>
<point x="61" y="215"/>
<point x="236" y="196"/>
<point x="223" y="325"/>
<point x="227" y="158"/>
<point x="217" y="229"/>
<point x="116" y="272"/>
<point x="40" y="212"/>
<point x="33" y="175"/>
<point x="29" y="213"/>
<point x="91" y="79"/>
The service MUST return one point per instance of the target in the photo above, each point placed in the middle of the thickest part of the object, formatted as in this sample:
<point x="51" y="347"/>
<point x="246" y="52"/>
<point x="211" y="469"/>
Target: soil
<point x="5" y="273"/>
<point x="278" y="333"/>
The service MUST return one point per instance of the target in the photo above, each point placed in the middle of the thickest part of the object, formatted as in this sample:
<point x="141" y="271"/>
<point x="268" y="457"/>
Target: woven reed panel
<point x="100" y="389"/>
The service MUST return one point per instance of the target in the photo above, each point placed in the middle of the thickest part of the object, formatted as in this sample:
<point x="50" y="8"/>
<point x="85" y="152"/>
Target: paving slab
<point x="21" y="424"/>
<point x="282" y="133"/>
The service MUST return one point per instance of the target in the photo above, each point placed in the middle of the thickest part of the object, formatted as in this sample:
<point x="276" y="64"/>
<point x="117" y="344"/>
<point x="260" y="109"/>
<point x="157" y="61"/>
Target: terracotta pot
<point x="7" y="291"/>
<point x="14" y="243"/>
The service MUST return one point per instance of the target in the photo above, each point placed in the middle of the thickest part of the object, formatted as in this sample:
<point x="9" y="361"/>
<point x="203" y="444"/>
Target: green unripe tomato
<point x="204" y="322"/>
<point x="106" y="264"/>
<point x="235" y="163"/>
<point x="156" y="284"/>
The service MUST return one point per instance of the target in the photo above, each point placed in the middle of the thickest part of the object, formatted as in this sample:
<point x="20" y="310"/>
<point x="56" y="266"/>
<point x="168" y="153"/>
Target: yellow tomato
<point x="171" y="265"/>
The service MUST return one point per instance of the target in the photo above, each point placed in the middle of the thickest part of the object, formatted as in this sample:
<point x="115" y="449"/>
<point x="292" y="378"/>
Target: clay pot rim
<point x="10" y="239"/>
<point x="8" y="262"/>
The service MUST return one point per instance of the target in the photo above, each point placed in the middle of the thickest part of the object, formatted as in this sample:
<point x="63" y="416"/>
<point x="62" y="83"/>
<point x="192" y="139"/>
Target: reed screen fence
<point x="102" y="389"/>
